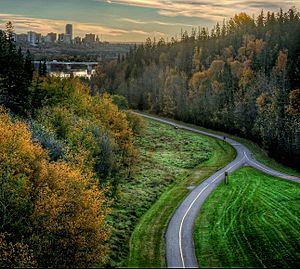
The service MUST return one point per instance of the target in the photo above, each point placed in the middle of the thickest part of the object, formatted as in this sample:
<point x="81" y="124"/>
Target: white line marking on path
<point x="189" y="208"/>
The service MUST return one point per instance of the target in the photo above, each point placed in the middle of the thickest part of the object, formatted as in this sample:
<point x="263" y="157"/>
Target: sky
<point x="128" y="20"/>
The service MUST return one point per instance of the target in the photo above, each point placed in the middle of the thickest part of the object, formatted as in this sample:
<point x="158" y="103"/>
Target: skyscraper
<point x="69" y="30"/>
<point x="33" y="38"/>
<point x="51" y="37"/>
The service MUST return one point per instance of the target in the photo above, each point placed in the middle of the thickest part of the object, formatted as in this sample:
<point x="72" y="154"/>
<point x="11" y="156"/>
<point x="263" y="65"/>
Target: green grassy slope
<point x="259" y="153"/>
<point x="164" y="149"/>
<point x="252" y="222"/>
<point x="166" y="157"/>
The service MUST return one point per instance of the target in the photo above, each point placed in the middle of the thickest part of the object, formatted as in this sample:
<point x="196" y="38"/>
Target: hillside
<point x="240" y="77"/>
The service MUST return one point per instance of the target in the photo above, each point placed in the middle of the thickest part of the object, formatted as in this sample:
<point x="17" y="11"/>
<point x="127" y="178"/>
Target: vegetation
<point x="147" y="240"/>
<point x="70" y="157"/>
<point x="242" y="77"/>
<point x="166" y="156"/>
<point x="259" y="153"/>
<point x="15" y="74"/>
<point x="50" y="211"/>
<point x="252" y="222"/>
<point x="78" y="171"/>
<point x="63" y="153"/>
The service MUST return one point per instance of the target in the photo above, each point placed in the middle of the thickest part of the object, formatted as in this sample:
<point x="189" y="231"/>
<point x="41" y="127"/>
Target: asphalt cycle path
<point x="179" y="244"/>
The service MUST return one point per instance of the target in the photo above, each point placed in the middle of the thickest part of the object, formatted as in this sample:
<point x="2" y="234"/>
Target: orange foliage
<point x="113" y="120"/>
<point x="217" y="87"/>
<point x="196" y="80"/>
<point x="216" y="67"/>
<point x="246" y="78"/>
<point x="65" y="206"/>
<point x="228" y="52"/>
<point x="281" y="62"/>
<point x="261" y="100"/>
<point x="259" y="45"/>
<point x="236" y="68"/>
<point x="71" y="211"/>
<point x="294" y="107"/>
<point x="242" y="52"/>
<point x="22" y="165"/>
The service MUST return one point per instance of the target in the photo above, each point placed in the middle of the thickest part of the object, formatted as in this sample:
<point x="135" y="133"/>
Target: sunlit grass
<point x="176" y="149"/>
<point x="252" y="222"/>
<point x="259" y="153"/>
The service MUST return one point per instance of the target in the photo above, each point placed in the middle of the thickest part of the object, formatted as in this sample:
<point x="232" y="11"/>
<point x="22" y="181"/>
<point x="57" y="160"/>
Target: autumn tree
<point x="69" y="227"/>
<point x="51" y="213"/>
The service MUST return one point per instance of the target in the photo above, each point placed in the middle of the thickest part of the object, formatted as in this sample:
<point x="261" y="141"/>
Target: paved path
<point x="180" y="251"/>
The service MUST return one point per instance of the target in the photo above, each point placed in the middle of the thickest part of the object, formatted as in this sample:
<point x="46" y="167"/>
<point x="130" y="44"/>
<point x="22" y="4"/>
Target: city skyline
<point x="127" y="20"/>
<point x="34" y="38"/>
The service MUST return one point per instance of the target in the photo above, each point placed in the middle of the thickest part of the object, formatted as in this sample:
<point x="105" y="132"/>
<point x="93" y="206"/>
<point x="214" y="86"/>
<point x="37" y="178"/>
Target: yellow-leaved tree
<point x="69" y="219"/>
<point x="51" y="214"/>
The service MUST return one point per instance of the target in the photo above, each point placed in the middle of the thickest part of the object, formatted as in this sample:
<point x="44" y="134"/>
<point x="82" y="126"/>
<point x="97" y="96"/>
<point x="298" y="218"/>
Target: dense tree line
<point x="15" y="74"/>
<point x="62" y="154"/>
<point x="242" y="77"/>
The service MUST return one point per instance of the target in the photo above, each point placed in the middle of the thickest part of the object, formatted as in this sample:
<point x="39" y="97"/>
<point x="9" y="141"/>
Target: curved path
<point x="180" y="251"/>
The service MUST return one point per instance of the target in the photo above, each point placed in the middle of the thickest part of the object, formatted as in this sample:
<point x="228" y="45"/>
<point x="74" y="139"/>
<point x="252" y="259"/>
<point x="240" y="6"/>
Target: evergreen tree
<point x="15" y="75"/>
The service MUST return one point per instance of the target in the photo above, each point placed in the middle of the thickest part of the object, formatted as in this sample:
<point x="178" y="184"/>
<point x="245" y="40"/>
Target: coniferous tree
<point x="14" y="75"/>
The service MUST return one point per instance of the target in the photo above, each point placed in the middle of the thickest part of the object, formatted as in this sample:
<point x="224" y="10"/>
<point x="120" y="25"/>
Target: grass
<point x="200" y="156"/>
<point x="169" y="161"/>
<point x="252" y="222"/>
<point x="260" y="154"/>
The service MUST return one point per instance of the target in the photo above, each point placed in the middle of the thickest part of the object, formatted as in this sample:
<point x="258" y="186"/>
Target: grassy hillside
<point x="252" y="222"/>
<point x="171" y="161"/>
<point x="165" y="167"/>
<point x="260" y="154"/>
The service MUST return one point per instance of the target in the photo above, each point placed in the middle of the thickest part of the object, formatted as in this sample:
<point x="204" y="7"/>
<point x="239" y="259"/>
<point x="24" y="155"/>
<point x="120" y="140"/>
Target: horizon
<point x="128" y="21"/>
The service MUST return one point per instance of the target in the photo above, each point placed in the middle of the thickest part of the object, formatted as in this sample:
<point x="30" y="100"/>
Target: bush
<point x="136" y="123"/>
<point x="47" y="139"/>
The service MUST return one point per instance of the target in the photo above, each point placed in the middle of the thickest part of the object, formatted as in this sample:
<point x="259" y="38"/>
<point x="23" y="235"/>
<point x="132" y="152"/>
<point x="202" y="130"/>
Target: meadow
<point x="252" y="222"/>
<point x="172" y="161"/>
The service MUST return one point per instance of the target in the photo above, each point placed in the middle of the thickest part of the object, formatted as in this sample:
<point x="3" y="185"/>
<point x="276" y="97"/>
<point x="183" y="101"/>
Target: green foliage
<point x="94" y="132"/>
<point x="15" y="75"/>
<point x="52" y="213"/>
<point x="136" y="123"/>
<point x="166" y="155"/>
<point x="15" y="254"/>
<point x="48" y="140"/>
<point x="217" y="80"/>
<point x="120" y="101"/>
<point x="147" y="248"/>
<point x="252" y="222"/>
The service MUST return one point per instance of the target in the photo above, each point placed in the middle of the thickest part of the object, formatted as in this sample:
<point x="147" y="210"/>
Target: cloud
<point x="208" y="9"/>
<point x="23" y="24"/>
<point x="133" y="21"/>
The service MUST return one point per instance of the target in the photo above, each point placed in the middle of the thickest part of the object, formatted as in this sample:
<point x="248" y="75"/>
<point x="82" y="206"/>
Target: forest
<point x="67" y="145"/>
<point x="241" y="77"/>
<point x="62" y="152"/>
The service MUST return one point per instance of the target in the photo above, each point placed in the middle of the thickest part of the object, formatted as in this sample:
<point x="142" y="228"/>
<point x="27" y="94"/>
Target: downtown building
<point x="68" y="37"/>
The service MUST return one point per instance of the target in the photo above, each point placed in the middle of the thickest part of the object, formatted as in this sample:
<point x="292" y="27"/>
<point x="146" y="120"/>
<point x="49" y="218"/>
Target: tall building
<point x="38" y="38"/>
<point x="89" y="39"/>
<point x="77" y="40"/>
<point x="51" y="37"/>
<point x="61" y="38"/>
<point x="68" y="39"/>
<point x="33" y="37"/>
<point x="22" y="37"/>
<point x="69" y="30"/>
